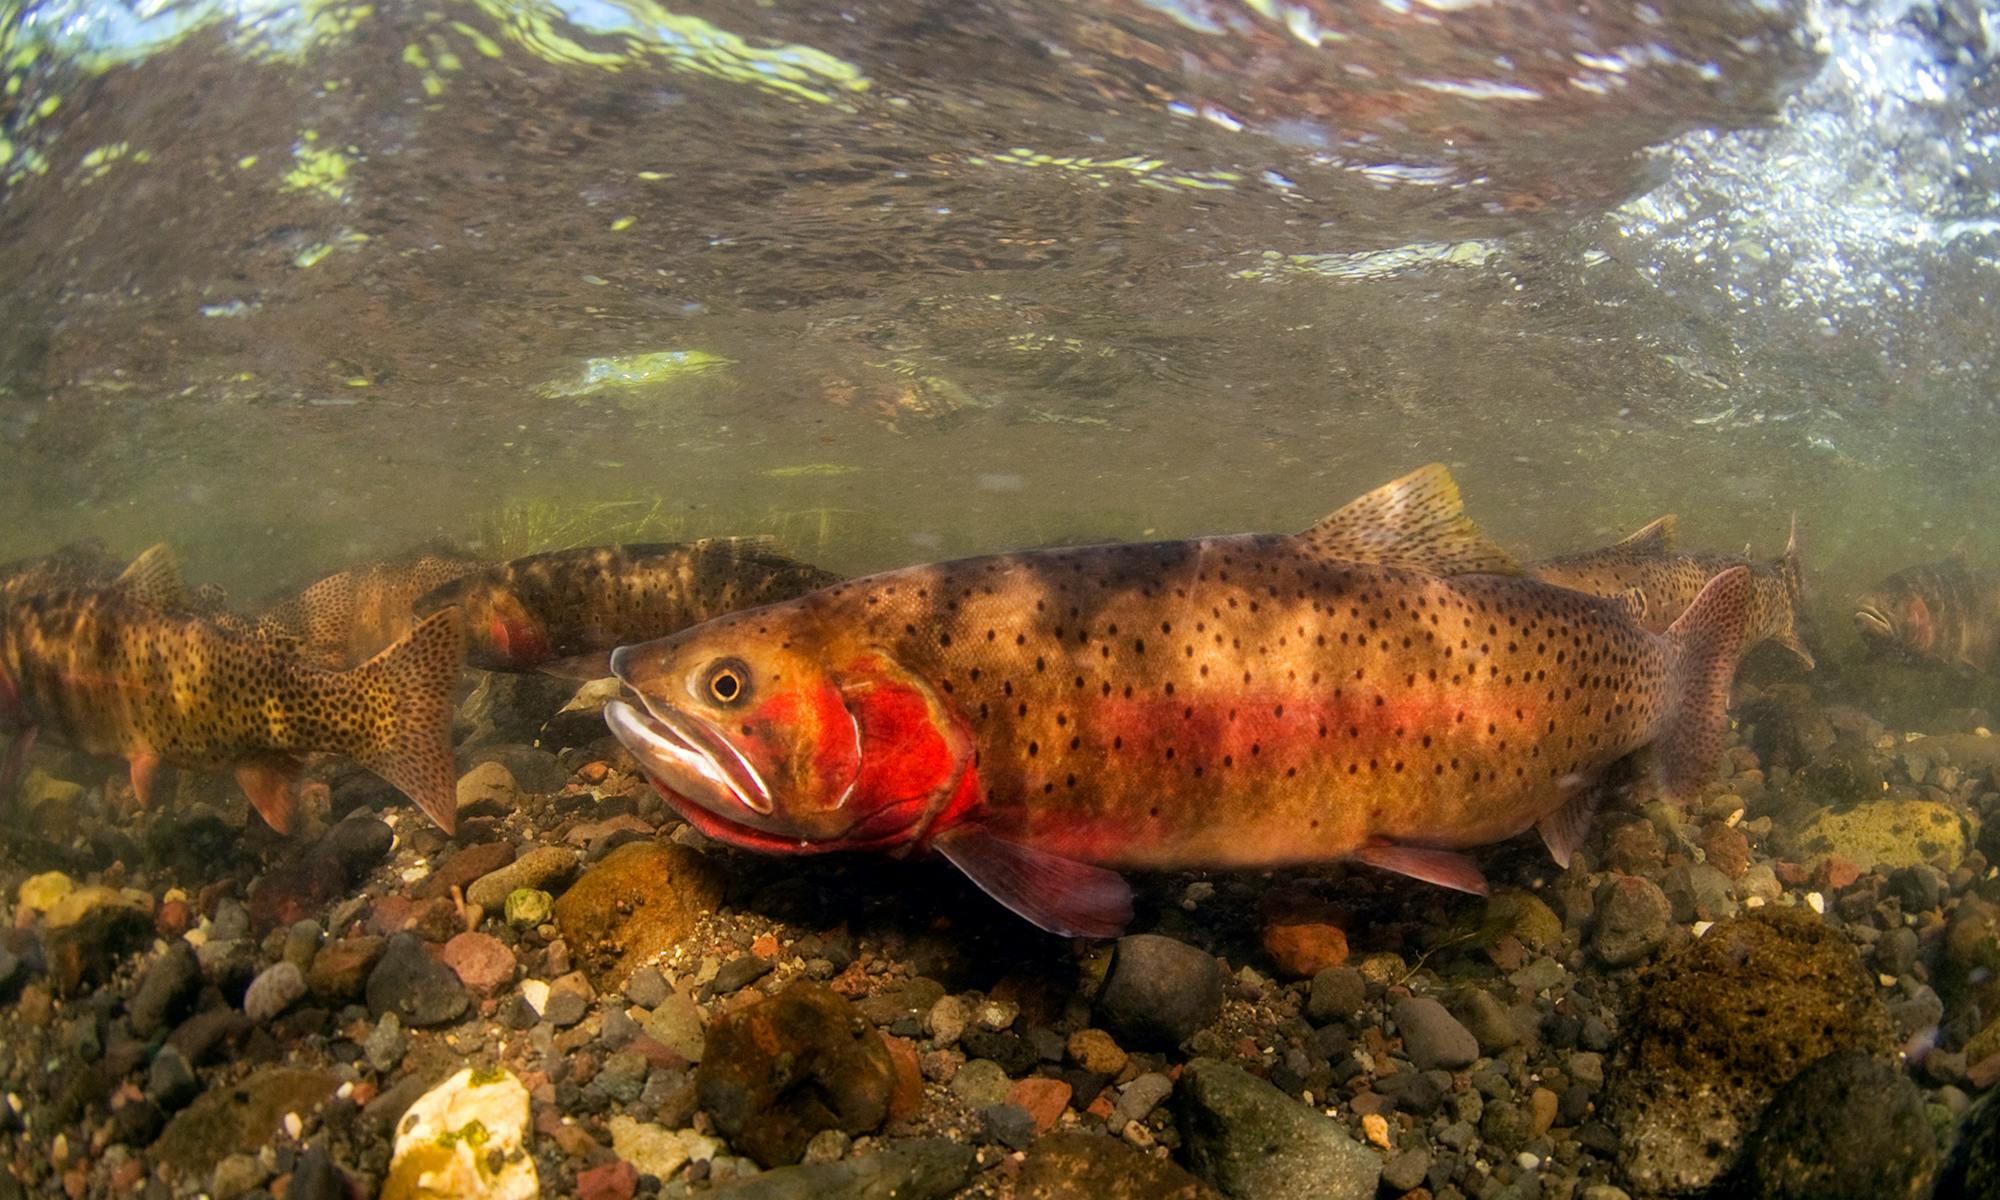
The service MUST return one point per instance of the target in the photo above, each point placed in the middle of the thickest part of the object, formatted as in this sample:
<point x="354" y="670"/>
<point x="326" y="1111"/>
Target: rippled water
<point x="296" y="285"/>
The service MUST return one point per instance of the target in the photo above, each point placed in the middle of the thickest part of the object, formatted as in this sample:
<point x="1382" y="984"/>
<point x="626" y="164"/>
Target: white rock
<point x="466" y="1138"/>
<point x="651" y="1149"/>
<point x="273" y="991"/>
<point x="536" y="993"/>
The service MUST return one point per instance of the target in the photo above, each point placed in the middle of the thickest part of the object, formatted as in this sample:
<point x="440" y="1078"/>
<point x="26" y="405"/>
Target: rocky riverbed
<point x="1786" y="990"/>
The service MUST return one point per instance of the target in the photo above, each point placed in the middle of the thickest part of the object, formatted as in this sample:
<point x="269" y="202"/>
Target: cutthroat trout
<point x="350" y="616"/>
<point x="1657" y="583"/>
<point x="1942" y="613"/>
<point x="108" y="673"/>
<point x="563" y="612"/>
<point x="1386" y="686"/>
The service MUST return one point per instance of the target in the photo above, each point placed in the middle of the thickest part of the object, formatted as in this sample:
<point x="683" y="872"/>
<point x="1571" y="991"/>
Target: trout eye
<point x="728" y="681"/>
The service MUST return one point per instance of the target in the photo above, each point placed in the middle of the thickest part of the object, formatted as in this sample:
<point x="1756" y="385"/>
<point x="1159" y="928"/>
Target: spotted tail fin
<point x="1706" y="643"/>
<point x="414" y="751"/>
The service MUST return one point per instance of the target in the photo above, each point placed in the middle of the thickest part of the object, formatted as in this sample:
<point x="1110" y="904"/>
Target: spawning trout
<point x="1658" y="584"/>
<point x="350" y="616"/>
<point x="563" y="612"/>
<point x="1941" y="613"/>
<point x="111" y="674"/>
<point x="1386" y="686"/>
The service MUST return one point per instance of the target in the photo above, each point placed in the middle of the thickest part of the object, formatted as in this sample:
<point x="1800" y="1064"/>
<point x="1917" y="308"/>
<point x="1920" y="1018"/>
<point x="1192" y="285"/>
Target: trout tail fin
<point x="1791" y="571"/>
<point x="413" y="748"/>
<point x="1706" y="643"/>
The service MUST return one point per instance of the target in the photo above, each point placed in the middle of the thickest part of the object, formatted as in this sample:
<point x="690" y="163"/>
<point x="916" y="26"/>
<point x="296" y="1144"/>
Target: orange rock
<point x="1303" y="951"/>
<point x="908" y="1098"/>
<point x="593" y="772"/>
<point x="765" y="946"/>
<point x="1042" y="1099"/>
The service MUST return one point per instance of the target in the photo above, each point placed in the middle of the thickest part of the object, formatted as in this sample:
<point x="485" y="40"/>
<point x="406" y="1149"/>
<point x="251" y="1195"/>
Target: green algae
<point x="318" y="169"/>
<point x="636" y="372"/>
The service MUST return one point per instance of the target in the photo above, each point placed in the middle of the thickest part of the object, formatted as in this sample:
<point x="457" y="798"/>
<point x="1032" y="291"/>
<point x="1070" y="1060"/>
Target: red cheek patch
<point x="905" y="755"/>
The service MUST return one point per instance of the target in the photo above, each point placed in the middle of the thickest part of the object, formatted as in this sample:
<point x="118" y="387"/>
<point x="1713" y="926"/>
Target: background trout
<point x="1943" y="613"/>
<point x="1248" y="701"/>
<point x="350" y="616"/>
<point x="1658" y="584"/>
<point x="563" y="612"/>
<point x="110" y="674"/>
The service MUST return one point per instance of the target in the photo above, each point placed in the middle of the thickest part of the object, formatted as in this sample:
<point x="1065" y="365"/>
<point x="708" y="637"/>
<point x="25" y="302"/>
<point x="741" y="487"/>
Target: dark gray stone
<point x="419" y="989"/>
<point x="1249" y="1139"/>
<point x="1432" y="1037"/>
<point x="1493" y="1024"/>
<point x="920" y="1169"/>
<point x="1160" y="991"/>
<point x="1632" y="915"/>
<point x="1337" y="994"/>
<point x="167" y="992"/>
<point x="1848" y="1127"/>
<point x="357" y="844"/>
<point x="170" y="1081"/>
<point x="1406" y="1171"/>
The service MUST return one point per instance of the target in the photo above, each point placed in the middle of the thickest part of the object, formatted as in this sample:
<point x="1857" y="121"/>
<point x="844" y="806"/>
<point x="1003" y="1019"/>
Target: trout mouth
<point x="1874" y="624"/>
<point x="686" y="756"/>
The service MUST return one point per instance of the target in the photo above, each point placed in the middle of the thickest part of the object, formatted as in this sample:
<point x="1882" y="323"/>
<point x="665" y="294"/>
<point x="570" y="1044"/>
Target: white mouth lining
<point x="637" y="732"/>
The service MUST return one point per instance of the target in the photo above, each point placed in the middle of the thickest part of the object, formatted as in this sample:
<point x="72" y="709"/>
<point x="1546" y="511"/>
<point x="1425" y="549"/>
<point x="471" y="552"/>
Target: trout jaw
<point x="1873" y="624"/>
<point x="685" y="757"/>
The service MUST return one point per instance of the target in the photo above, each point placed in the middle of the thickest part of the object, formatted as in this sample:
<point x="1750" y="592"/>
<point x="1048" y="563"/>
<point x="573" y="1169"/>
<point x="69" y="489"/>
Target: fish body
<point x="110" y="674"/>
<point x="564" y="611"/>
<point x="1944" y="613"/>
<point x="350" y="616"/>
<point x="1657" y="583"/>
<point x="1049" y="717"/>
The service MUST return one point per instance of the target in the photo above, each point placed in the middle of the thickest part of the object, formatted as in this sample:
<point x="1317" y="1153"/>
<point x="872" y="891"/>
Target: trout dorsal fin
<point x="1655" y="539"/>
<point x="154" y="579"/>
<point x="1417" y="522"/>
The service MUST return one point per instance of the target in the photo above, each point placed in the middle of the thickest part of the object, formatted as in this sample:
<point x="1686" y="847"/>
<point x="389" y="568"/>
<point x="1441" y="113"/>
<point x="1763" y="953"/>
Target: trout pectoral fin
<point x="273" y="787"/>
<point x="1446" y="868"/>
<point x="1564" y="829"/>
<point x="1061" y="895"/>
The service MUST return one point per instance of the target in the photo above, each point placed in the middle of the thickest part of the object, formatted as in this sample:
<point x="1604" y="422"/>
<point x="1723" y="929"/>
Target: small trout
<point x="1386" y="686"/>
<point x="1658" y="584"/>
<point x="1943" y="613"/>
<point x="110" y="673"/>
<point x="563" y="612"/>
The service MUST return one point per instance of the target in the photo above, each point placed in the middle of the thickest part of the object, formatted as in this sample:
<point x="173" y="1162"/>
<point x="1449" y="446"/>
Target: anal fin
<point x="1061" y="895"/>
<point x="272" y="785"/>
<point x="1446" y="868"/>
<point x="145" y="767"/>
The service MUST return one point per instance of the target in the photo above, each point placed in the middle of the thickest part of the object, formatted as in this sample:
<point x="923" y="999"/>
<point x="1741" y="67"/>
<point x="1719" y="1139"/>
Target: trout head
<point x="776" y="741"/>
<point x="1900" y="616"/>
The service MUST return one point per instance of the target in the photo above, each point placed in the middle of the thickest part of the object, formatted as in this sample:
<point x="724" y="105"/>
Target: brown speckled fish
<point x="348" y="617"/>
<point x="1385" y="687"/>
<point x="1943" y="613"/>
<point x="111" y="674"/>
<point x="563" y="612"/>
<point x="1658" y="584"/>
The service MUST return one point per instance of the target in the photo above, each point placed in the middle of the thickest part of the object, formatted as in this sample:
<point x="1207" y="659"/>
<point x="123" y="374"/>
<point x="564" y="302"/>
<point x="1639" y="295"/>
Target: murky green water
<point x="895" y="280"/>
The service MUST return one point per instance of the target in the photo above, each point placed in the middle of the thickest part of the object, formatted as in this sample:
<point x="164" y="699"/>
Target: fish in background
<point x="1945" y="614"/>
<point x="1386" y="686"/>
<point x="126" y="670"/>
<point x="81" y="562"/>
<point x="1658" y="583"/>
<point x="350" y="616"/>
<point x="563" y="612"/>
